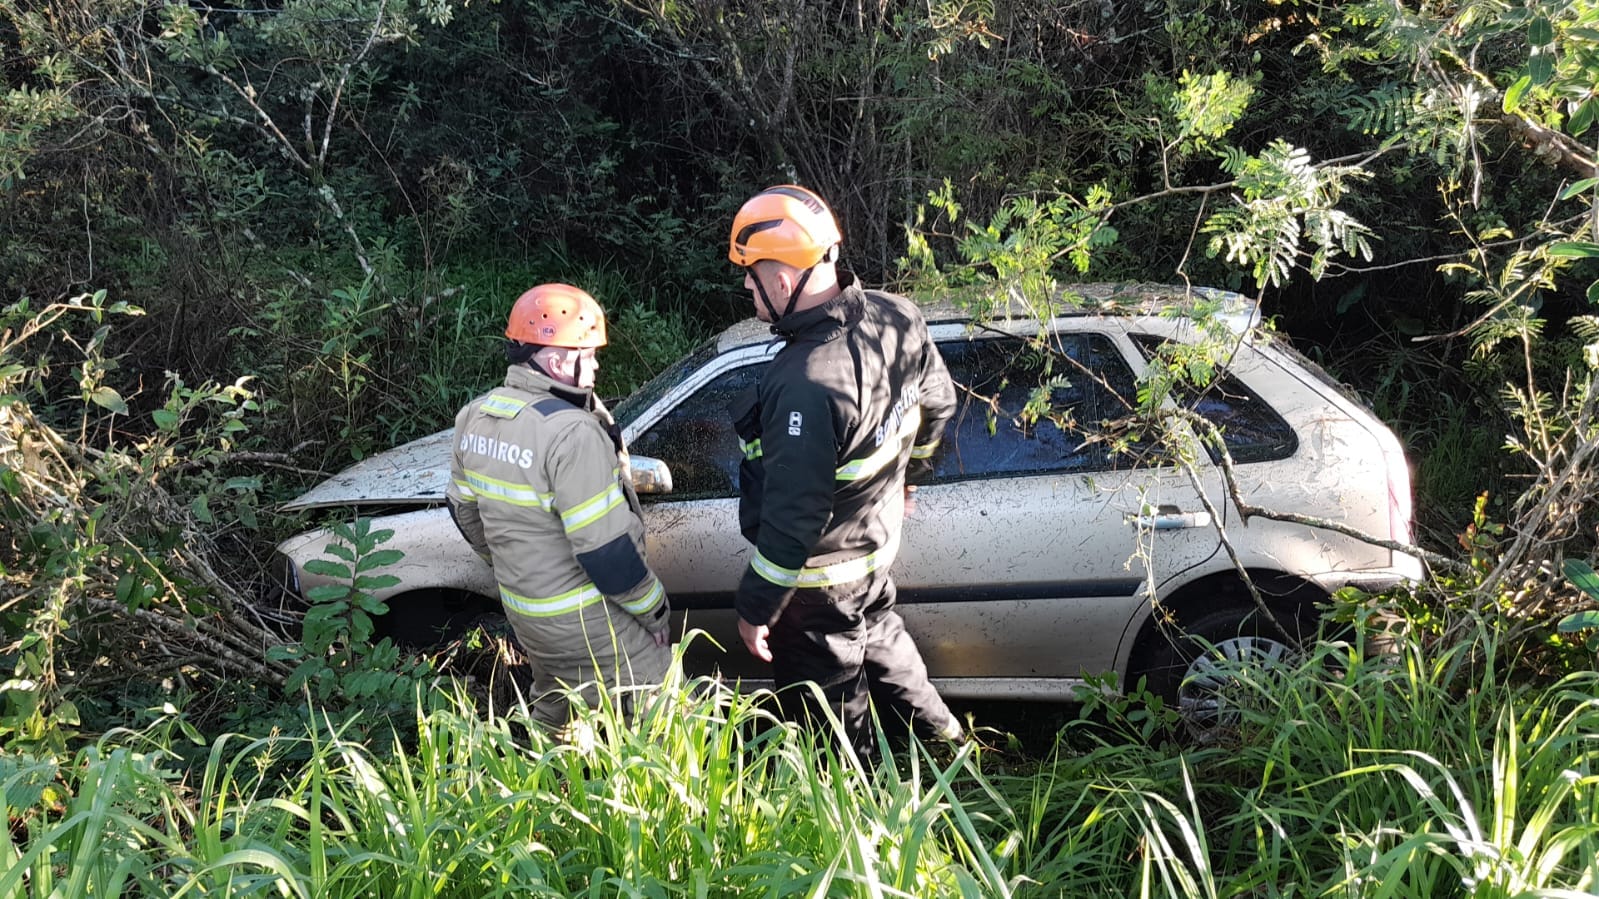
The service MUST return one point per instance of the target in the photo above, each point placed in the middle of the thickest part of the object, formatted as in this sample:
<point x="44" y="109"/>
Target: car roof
<point x="1108" y="298"/>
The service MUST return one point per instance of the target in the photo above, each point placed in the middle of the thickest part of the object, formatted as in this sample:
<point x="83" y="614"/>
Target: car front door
<point x="694" y="542"/>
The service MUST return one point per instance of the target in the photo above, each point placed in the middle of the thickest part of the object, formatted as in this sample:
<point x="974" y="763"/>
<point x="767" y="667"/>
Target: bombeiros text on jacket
<point x="908" y="398"/>
<point x="498" y="450"/>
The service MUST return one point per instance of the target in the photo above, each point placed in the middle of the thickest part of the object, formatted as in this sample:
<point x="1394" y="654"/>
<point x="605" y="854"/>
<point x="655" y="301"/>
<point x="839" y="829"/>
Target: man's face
<point x="587" y="366"/>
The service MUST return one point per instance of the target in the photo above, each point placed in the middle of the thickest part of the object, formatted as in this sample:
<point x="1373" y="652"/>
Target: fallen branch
<point x="180" y="633"/>
<point x="1232" y="553"/>
<point x="283" y="460"/>
<point x="1557" y="148"/>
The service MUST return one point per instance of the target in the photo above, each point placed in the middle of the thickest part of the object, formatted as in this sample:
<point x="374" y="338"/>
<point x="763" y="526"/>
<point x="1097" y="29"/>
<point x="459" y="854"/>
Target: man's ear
<point x="554" y="361"/>
<point x="786" y="280"/>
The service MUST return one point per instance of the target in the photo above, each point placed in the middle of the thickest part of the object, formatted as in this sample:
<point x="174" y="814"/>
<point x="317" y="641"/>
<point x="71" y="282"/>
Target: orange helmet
<point x="785" y="223"/>
<point x="557" y="315"/>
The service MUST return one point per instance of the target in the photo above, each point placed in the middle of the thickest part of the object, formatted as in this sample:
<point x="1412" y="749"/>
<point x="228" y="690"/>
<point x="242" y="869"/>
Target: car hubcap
<point x="1203" y="699"/>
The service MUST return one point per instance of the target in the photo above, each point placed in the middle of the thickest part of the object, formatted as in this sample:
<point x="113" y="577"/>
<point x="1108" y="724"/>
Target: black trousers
<point x="849" y="641"/>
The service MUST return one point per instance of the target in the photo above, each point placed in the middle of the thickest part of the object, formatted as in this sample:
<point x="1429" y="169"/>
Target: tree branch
<point x="1557" y="148"/>
<point x="344" y="79"/>
<point x="1247" y="511"/>
<point x="1227" y="544"/>
<point x="273" y="673"/>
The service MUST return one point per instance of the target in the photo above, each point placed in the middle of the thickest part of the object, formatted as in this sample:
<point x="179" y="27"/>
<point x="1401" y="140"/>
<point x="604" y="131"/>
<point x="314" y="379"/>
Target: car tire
<point x="1183" y="665"/>
<point x="427" y="619"/>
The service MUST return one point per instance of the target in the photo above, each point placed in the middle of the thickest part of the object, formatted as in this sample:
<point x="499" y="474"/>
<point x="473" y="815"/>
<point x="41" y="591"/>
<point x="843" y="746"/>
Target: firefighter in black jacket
<point x="857" y="394"/>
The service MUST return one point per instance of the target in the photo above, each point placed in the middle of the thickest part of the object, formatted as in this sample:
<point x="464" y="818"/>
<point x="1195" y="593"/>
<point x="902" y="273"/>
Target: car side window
<point x="996" y="377"/>
<point x="696" y="439"/>
<point x="1252" y="430"/>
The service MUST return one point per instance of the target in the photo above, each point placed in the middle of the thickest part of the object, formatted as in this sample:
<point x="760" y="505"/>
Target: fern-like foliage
<point x="1390" y="108"/>
<point x="1284" y="214"/>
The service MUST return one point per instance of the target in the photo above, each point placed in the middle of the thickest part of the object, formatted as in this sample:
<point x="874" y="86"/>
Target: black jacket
<point x="829" y="432"/>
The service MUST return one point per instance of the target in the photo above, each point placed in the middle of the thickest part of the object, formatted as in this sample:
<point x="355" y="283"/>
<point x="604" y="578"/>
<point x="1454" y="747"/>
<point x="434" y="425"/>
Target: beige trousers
<point x="599" y="646"/>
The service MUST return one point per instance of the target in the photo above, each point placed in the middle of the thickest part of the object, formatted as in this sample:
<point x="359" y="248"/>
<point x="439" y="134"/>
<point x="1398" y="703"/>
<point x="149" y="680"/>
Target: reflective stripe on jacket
<point x="537" y="485"/>
<point x="856" y="393"/>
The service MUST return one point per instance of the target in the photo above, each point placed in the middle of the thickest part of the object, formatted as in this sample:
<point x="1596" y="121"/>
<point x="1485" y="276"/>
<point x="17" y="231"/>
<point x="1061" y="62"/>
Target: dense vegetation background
<point x="244" y="245"/>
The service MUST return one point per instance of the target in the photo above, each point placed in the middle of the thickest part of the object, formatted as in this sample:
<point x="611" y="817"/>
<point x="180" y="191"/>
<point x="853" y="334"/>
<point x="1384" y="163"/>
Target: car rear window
<point x="1252" y="430"/>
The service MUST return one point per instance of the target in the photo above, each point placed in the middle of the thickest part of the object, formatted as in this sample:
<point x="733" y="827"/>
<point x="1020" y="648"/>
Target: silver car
<point x="1034" y="557"/>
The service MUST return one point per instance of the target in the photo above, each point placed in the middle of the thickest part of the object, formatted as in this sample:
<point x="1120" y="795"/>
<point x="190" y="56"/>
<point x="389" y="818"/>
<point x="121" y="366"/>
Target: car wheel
<point x="1191" y="670"/>
<point x="429" y="618"/>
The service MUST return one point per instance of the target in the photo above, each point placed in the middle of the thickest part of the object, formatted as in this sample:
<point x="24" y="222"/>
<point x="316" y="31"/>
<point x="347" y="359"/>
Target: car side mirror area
<point x="650" y="475"/>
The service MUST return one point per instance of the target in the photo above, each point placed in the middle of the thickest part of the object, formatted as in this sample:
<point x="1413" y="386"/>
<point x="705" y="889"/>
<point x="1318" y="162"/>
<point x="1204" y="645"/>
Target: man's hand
<point x="660" y="627"/>
<point x="755" y="639"/>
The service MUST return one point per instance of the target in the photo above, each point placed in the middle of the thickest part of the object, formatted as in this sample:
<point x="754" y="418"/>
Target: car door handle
<point x="1167" y="517"/>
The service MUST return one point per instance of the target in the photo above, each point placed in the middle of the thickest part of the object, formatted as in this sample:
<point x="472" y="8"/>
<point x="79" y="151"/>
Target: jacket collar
<point x="533" y="380"/>
<point x="832" y="318"/>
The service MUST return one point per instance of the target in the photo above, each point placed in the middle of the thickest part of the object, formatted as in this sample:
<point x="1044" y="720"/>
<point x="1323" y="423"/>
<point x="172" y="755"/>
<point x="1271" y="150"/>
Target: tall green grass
<point x="1432" y="772"/>
<point x="704" y="794"/>
<point x="1429" y="772"/>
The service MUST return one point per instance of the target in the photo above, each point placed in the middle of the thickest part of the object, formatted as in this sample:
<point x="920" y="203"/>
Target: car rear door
<point x="1029" y="551"/>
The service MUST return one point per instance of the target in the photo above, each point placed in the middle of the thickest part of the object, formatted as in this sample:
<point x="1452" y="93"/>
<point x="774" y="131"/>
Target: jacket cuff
<point x="661" y="619"/>
<point x="649" y="606"/>
<point x="759" y="601"/>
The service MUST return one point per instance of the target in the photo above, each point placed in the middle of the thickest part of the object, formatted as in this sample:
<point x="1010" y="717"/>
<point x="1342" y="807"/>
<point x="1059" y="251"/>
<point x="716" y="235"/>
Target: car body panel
<point x="1041" y="608"/>
<point x="1016" y="585"/>
<point x="1047" y="597"/>
<point x="436" y="555"/>
<point x="406" y="474"/>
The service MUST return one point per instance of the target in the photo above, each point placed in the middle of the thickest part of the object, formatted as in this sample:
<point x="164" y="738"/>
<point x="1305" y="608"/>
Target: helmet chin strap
<point x="761" y="289"/>
<point x="793" y="298"/>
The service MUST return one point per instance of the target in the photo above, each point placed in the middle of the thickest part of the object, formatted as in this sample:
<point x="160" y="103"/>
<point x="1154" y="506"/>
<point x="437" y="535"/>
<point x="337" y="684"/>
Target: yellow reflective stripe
<point x="751" y="450"/>
<point x="851" y="570"/>
<point x="547" y="606"/>
<point x="924" y="451"/>
<point x="888" y="452"/>
<point x="502" y="406"/>
<point x="646" y="602"/>
<point x="594" y="508"/>
<point x="464" y="488"/>
<point x="485" y="487"/>
<point x="771" y="571"/>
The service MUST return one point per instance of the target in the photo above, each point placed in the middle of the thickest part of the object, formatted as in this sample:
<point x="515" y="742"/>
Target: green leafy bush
<point x="335" y="660"/>
<point x="111" y="575"/>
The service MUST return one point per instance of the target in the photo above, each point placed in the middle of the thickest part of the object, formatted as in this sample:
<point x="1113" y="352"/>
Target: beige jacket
<point x="538" y="486"/>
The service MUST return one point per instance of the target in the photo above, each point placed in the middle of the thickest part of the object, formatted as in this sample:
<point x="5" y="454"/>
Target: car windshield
<point x="656" y="387"/>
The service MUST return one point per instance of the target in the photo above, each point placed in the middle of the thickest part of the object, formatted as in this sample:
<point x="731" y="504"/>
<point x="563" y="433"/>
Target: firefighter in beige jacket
<point x="538" y="486"/>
